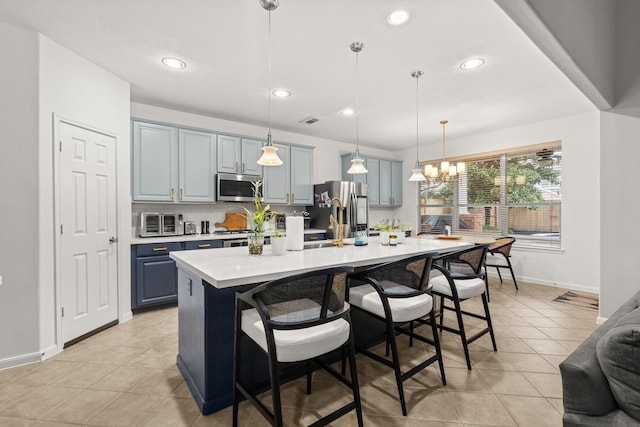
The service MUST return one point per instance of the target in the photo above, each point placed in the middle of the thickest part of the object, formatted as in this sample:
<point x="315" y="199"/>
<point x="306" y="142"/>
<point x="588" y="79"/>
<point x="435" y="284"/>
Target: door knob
<point x="113" y="239"/>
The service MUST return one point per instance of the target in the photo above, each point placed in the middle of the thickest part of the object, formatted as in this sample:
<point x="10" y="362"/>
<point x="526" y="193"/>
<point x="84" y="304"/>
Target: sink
<point x="317" y="245"/>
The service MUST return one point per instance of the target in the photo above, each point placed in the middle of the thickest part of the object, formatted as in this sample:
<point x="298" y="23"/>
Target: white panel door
<point x="88" y="258"/>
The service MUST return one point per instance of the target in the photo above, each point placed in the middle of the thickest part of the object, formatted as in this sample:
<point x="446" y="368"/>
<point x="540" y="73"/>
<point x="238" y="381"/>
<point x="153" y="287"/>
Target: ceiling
<point x="225" y="44"/>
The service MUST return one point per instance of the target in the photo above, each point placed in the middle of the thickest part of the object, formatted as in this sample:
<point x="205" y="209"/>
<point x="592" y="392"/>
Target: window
<point x="515" y="193"/>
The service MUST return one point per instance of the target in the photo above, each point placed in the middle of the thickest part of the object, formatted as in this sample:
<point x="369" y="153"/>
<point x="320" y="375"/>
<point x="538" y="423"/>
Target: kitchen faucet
<point x="339" y="241"/>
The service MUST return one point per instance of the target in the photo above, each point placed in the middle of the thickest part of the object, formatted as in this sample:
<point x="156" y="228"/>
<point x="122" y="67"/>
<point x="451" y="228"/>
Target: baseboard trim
<point x="125" y="317"/>
<point x="538" y="281"/>
<point x="23" y="359"/>
<point x="48" y="352"/>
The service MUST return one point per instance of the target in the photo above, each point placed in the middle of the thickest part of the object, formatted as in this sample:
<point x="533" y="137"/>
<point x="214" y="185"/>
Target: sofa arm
<point x="585" y="389"/>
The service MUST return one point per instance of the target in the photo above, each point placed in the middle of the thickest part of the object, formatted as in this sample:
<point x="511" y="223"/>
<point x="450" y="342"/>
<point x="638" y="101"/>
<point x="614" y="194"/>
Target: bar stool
<point x="457" y="286"/>
<point x="397" y="294"/>
<point x="295" y="319"/>
<point x="499" y="256"/>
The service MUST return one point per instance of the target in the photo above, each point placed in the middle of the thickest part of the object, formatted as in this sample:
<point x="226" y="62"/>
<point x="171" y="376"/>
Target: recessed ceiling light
<point x="347" y="112"/>
<point x="398" y="17"/>
<point x="472" y="63"/>
<point x="281" y="93"/>
<point x="175" y="63"/>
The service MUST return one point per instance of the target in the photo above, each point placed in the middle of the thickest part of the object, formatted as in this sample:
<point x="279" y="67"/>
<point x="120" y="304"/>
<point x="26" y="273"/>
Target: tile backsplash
<point x="199" y="212"/>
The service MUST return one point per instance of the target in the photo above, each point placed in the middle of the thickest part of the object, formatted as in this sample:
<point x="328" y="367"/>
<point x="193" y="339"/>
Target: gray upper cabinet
<point x="239" y="155"/>
<point x="373" y="180"/>
<point x="154" y="162"/>
<point x="384" y="178"/>
<point x="385" y="183"/>
<point x="301" y="176"/>
<point x="250" y="153"/>
<point x="396" y="183"/>
<point x="292" y="182"/>
<point x="172" y="165"/>
<point x="390" y="183"/>
<point x="197" y="154"/>
<point x="277" y="179"/>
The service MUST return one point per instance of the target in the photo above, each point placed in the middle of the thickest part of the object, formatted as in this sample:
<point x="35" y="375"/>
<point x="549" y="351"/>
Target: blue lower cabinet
<point x="154" y="278"/>
<point x="203" y="244"/>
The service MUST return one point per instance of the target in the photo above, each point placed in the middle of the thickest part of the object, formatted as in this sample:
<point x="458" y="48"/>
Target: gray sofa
<point x="601" y="378"/>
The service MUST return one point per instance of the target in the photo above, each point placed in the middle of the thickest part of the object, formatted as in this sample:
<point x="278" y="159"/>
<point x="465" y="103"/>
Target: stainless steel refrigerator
<point x="355" y="202"/>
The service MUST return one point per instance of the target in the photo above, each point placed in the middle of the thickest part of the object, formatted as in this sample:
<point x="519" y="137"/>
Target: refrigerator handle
<point x="353" y="214"/>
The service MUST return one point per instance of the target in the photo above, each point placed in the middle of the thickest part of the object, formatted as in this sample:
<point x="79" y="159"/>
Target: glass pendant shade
<point x="357" y="166"/>
<point x="269" y="156"/>
<point x="416" y="174"/>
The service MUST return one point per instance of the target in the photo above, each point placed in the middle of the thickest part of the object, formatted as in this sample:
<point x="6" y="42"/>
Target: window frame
<point x="548" y="241"/>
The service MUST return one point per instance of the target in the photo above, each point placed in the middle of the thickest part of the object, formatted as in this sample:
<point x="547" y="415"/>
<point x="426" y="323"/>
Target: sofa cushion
<point x="618" y="353"/>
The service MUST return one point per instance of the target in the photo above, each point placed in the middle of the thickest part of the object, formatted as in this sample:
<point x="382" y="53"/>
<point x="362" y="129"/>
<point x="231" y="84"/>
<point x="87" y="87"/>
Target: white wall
<point x="620" y="205"/>
<point x="73" y="88"/>
<point x="576" y="266"/>
<point x="18" y="196"/>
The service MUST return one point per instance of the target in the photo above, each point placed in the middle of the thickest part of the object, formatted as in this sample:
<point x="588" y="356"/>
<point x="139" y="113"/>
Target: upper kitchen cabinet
<point x="292" y="182"/>
<point x="396" y="183"/>
<point x="154" y="162"/>
<point x="373" y="180"/>
<point x="390" y="183"/>
<point x="197" y="167"/>
<point x="384" y="179"/>
<point x="172" y="165"/>
<point x="239" y="155"/>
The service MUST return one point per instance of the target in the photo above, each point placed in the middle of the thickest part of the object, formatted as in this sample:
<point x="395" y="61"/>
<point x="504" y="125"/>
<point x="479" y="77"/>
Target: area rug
<point x="579" y="299"/>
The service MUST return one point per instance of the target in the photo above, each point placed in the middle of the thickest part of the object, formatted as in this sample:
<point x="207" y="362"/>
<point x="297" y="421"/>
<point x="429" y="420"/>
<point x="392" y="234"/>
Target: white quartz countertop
<point x="230" y="267"/>
<point x="196" y="237"/>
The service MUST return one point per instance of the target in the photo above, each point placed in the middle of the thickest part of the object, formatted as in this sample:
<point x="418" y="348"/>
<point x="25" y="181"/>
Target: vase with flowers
<point x="256" y="219"/>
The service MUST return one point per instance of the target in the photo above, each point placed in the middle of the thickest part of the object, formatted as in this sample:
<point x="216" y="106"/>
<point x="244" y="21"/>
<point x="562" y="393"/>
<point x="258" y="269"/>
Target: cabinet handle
<point x="205" y="246"/>
<point x="236" y="166"/>
<point x="313" y="237"/>
<point x="293" y="198"/>
<point x="243" y="167"/>
<point x="181" y="193"/>
<point x="172" y="193"/>
<point x="159" y="249"/>
<point x="287" y="197"/>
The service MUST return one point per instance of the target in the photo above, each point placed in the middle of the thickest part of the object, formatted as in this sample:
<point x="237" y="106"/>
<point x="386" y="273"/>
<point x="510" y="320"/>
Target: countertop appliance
<point x="355" y="202"/>
<point x="190" y="227"/>
<point x="235" y="188"/>
<point x="158" y="224"/>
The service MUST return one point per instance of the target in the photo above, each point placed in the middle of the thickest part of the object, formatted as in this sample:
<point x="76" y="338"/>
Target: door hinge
<point x="62" y="311"/>
<point x="60" y="145"/>
<point x="61" y="229"/>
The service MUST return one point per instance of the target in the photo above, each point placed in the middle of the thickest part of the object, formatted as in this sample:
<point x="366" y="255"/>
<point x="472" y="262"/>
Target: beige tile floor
<point x="126" y="376"/>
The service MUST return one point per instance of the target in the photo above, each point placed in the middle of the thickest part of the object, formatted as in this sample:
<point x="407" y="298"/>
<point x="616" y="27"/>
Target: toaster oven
<point x="158" y="224"/>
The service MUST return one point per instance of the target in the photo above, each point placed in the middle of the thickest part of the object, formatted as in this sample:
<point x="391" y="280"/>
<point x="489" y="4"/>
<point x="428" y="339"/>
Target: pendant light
<point x="269" y="152"/>
<point x="357" y="163"/>
<point x="416" y="173"/>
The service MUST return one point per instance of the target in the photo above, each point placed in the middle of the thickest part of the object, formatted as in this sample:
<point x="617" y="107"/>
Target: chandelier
<point x="436" y="176"/>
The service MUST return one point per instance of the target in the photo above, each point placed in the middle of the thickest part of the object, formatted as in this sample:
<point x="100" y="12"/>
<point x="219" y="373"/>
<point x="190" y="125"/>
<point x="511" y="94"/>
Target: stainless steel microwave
<point x="235" y="188"/>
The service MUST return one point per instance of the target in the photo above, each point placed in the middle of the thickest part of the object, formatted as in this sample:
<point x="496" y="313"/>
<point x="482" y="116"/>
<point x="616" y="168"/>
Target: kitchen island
<point x="207" y="283"/>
